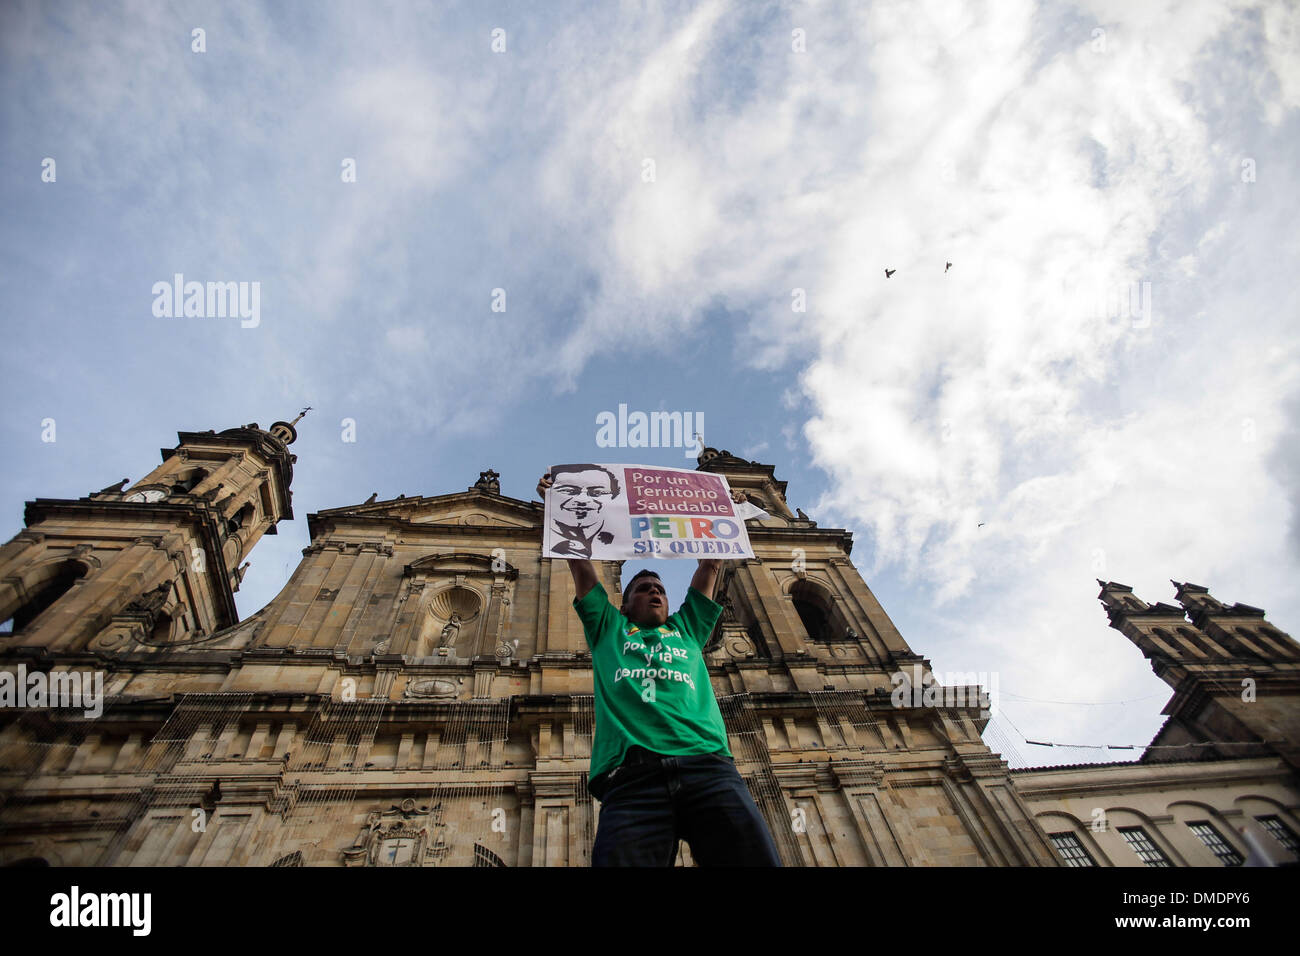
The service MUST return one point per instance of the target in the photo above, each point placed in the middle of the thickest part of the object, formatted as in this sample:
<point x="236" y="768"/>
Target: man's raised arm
<point x="706" y="576"/>
<point x="584" y="577"/>
<point x="584" y="572"/>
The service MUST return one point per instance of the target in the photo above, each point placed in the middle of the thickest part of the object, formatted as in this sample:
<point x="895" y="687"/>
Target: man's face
<point x="582" y="496"/>
<point x="647" y="603"/>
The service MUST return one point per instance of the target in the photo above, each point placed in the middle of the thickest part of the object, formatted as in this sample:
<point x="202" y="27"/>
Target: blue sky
<point x="1107" y="379"/>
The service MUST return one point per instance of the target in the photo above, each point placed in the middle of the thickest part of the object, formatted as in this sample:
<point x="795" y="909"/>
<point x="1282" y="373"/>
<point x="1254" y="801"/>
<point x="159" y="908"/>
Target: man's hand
<point x="583" y="571"/>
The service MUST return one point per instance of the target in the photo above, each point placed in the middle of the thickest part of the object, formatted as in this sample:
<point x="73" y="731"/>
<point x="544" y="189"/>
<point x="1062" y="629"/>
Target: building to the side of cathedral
<point x="420" y="694"/>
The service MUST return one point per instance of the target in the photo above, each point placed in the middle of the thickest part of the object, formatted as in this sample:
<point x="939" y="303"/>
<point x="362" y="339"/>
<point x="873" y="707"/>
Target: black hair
<point x="643" y="573"/>
<point x="557" y="470"/>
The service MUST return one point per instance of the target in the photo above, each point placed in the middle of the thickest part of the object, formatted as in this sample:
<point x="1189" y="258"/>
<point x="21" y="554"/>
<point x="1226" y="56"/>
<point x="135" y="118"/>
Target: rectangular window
<point x="1280" y="832"/>
<point x="1071" y="850"/>
<point x="1147" y="851"/>
<point x="1214" y="840"/>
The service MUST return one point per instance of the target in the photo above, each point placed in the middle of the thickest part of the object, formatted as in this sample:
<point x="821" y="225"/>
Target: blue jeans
<point x="651" y="801"/>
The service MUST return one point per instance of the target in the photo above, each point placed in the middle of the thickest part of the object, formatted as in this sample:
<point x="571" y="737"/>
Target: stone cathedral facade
<point x="419" y="693"/>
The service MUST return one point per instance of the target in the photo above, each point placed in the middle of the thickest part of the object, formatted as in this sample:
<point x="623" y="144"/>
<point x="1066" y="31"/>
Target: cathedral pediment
<point x="472" y="508"/>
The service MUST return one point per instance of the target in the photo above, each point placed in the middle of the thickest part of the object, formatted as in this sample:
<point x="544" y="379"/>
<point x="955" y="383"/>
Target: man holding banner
<point x="660" y="764"/>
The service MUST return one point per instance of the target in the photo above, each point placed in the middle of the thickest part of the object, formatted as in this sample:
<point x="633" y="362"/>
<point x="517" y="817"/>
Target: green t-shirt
<point x="652" y="685"/>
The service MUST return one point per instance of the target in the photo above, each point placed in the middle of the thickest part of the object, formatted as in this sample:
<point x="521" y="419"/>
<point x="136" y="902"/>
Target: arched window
<point x="1249" y="644"/>
<point x="57" y="584"/>
<point x="1167" y="639"/>
<point x="1274" y="640"/>
<point x="241" y="518"/>
<point x="1195" y="642"/>
<point x="812" y="608"/>
<point x="814" y="619"/>
<point x="187" y="482"/>
<point x="485" y="857"/>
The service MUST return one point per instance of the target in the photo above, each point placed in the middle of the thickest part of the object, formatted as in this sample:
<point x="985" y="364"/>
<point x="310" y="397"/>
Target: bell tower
<point x="1236" y="677"/>
<point x="152" y="565"/>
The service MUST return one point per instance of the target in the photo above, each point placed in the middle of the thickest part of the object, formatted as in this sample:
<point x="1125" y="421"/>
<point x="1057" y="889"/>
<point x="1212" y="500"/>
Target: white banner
<point x="616" y="512"/>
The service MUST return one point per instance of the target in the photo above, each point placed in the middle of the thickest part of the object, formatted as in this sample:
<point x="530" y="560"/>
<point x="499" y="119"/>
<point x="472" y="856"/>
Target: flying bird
<point x="981" y="524"/>
<point x="889" y="272"/>
<point x="947" y="267"/>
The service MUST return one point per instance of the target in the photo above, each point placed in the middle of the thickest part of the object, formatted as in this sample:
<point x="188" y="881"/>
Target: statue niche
<point x="452" y="624"/>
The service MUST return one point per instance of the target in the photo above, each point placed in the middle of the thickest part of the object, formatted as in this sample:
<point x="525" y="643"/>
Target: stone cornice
<point x="1072" y="781"/>
<point x="381" y="512"/>
<point x="318" y="526"/>
<point x="838" y="536"/>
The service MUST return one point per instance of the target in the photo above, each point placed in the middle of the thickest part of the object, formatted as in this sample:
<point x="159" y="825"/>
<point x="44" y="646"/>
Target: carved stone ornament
<point x="151" y="602"/>
<point x="739" y="646"/>
<point x="432" y="687"/>
<point x="396" y="837"/>
<point x="117" y="637"/>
